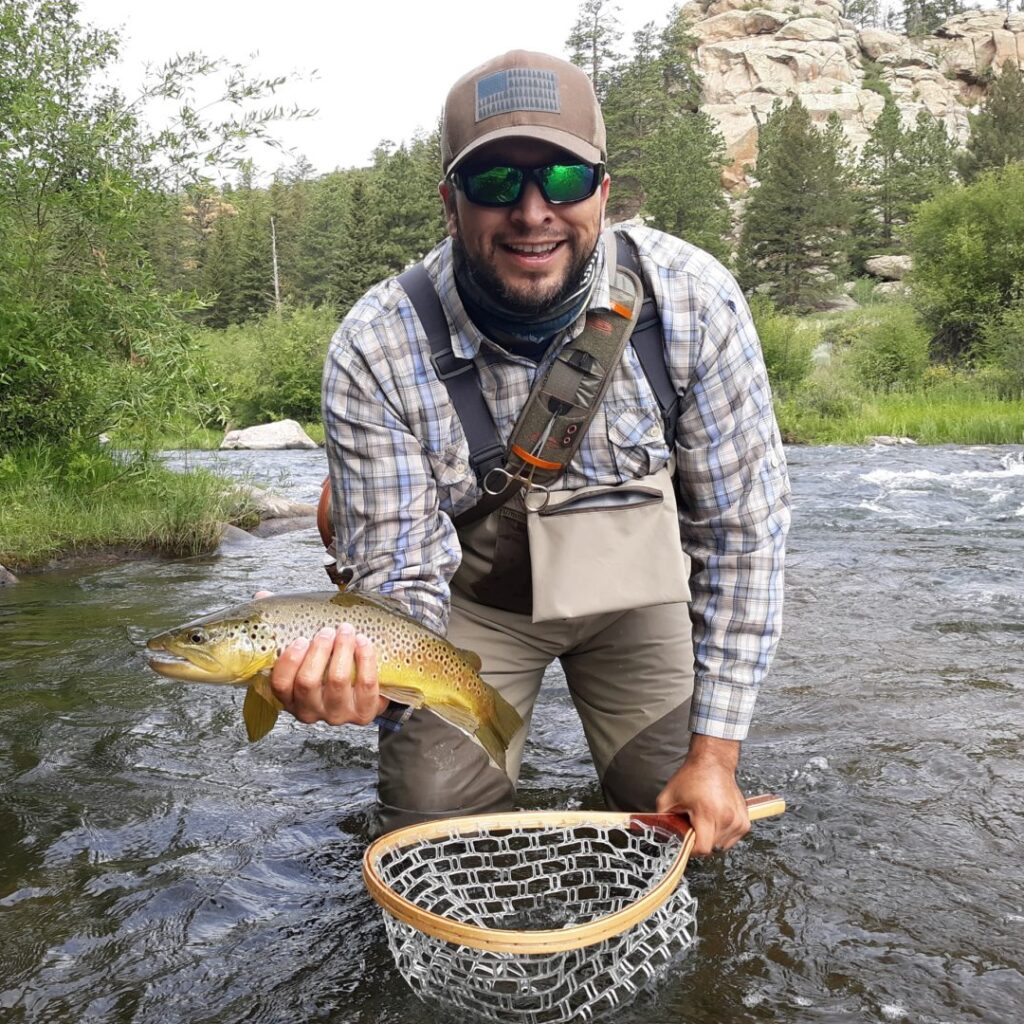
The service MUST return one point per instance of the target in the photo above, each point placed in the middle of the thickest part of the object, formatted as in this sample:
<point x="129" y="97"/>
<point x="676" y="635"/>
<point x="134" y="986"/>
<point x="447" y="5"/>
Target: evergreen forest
<point x="141" y="300"/>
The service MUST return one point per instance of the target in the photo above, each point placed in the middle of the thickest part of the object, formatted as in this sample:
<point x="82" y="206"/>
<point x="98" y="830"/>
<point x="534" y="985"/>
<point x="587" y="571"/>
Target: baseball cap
<point x="523" y="95"/>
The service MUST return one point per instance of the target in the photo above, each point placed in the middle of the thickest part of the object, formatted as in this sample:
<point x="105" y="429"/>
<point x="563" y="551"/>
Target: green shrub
<point x="891" y="350"/>
<point x="841" y="332"/>
<point x="270" y="368"/>
<point x="968" y="250"/>
<point x="787" y="344"/>
<point x="1001" y="350"/>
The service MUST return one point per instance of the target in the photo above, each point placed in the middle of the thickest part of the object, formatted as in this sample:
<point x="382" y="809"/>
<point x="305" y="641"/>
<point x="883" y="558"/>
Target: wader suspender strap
<point x="649" y="345"/>
<point x="458" y="375"/>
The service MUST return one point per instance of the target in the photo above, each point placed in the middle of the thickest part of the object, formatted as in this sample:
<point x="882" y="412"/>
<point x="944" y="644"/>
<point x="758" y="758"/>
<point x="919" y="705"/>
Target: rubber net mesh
<point x="529" y="879"/>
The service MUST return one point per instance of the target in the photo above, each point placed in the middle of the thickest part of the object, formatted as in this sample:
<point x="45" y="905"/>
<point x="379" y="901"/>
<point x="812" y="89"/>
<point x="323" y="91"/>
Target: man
<point x="664" y="703"/>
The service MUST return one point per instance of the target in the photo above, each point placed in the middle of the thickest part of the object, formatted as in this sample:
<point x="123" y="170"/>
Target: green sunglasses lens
<point x="498" y="185"/>
<point x="566" y="183"/>
<point x="503" y="186"/>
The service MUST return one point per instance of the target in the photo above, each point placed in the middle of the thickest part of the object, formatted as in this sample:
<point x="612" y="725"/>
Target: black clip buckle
<point x="460" y="366"/>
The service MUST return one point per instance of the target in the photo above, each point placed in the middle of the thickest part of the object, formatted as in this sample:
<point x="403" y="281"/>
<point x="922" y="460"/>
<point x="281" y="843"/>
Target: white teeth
<point x="534" y="248"/>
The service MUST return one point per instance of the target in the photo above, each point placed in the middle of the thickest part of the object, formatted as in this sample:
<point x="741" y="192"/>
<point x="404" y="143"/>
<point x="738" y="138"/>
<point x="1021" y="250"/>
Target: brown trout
<point x="416" y="666"/>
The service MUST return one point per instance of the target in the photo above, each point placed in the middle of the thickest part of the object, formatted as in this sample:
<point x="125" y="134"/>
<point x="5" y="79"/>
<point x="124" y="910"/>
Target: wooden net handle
<point x="500" y="940"/>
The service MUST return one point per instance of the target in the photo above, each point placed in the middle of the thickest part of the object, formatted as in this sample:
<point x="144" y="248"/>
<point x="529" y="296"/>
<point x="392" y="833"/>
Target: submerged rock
<point x="273" y="506"/>
<point x="233" y="539"/>
<point x="284" y="524"/>
<point x="887" y="440"/>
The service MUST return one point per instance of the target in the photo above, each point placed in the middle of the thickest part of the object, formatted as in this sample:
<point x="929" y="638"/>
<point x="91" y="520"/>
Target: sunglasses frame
<point x="528" y="173"/>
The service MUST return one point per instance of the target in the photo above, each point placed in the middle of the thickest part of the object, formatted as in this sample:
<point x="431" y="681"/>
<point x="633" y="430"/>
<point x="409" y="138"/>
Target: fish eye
<point x="197" y="636"/>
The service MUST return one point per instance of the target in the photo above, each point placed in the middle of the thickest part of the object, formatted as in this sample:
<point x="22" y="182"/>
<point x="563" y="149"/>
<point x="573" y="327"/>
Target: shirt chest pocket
<point x="453" y="475"/>
<point x="636" y="441"/>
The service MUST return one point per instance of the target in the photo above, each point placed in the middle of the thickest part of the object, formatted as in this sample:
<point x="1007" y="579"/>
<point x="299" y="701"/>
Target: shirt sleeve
<point x="734" y="512"/>
<point x="389" y="529"/>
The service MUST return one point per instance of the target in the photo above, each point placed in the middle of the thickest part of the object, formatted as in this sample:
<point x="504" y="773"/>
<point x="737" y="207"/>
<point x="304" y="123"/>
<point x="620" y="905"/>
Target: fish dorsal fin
<point x="389" y="604"/>
<point x="471" y="658"/>
<point x="260" y="709"/>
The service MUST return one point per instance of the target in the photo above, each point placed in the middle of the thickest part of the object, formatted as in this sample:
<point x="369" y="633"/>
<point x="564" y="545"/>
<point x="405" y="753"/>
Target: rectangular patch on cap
<point x="517" y="89"/>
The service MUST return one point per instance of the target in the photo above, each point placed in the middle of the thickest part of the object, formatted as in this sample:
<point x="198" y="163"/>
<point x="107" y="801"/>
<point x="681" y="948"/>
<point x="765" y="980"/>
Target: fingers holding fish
<point x="332" y="678"/>
<point x="365" y="692"/>
<point x="349" y="689"/>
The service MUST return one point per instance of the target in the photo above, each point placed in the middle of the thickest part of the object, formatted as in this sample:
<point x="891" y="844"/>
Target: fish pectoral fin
<point x="471" y="658"/>
<point x="456" y="715"/>
<point x="260" y="709"/>
<point x="481" y="732"/>
<point x="403" y="695"/>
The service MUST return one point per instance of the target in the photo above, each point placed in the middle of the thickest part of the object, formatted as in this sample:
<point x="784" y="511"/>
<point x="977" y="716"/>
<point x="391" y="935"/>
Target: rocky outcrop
<point x="269" y="436"/>
<point x="889" y="268"/>
<point x="751" y="54"/>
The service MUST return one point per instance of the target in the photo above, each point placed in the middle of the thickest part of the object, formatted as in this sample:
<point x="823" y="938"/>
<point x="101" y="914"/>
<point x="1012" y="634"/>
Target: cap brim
<point x="570" y="143"/>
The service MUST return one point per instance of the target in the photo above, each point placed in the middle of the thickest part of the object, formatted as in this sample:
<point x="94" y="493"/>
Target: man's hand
<point x="332" y="679"/>
<point x="704" y="789"/>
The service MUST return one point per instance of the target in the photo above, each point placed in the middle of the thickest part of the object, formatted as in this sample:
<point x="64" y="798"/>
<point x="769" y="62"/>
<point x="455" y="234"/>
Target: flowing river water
<point x="155" y="868"/>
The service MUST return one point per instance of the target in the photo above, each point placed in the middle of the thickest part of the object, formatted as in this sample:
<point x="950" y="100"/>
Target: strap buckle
<point x="457" y="366"/>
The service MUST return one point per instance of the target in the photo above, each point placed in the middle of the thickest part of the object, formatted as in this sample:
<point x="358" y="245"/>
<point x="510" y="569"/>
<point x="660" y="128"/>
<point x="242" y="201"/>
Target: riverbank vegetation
<point x="142" y="300"/>
<point x="52" y="505"/>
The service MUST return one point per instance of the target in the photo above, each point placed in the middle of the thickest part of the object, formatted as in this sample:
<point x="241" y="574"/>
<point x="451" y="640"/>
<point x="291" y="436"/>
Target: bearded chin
<point x="532" y="300"/>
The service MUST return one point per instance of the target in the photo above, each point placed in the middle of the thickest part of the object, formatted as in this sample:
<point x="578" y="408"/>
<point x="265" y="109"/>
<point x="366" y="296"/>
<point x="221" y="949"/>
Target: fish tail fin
<point x="260" y="709"/>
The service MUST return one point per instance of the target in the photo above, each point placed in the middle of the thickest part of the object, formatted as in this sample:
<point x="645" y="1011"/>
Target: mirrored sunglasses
<point x="503" y="184"/>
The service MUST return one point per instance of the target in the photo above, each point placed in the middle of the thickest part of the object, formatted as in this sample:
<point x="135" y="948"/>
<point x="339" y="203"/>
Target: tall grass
<point x="88" y="500"/>
<point x="924" y="418"/>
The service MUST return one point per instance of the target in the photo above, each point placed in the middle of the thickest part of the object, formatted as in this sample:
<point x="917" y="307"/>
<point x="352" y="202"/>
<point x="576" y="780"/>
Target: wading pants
<point x="630" y="675"/>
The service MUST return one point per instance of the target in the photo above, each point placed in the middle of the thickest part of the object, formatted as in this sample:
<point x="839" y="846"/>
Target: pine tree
<point x="997" y="133"/>
<point x="360" y="257"/>
<point x="321" y="270"/>
<point x="795" y="229"/>
<point x="404" y="193"/>
<point x="593" y="41"/>
<point x="864" y="13"/>
<point x="652" y="92"/>
<point x="929" y="165"/>
<point x="899" y="169"/>
<point x="682" y="183"/>
<point x="922" y="17"/>
<point x="880" y="175"/>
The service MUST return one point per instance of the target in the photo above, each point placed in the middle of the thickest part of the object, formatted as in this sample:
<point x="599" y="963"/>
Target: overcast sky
<point x="382" y="68"/>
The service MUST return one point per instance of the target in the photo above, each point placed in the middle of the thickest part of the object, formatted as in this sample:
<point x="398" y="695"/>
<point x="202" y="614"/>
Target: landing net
<point x="535" y="918"/>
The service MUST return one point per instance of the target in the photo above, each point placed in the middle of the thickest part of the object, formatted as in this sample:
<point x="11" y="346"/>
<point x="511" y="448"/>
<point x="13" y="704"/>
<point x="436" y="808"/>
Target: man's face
<point x="528" y="256"/>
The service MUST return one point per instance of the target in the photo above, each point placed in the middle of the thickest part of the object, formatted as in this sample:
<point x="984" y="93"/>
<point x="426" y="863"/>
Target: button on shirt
<point x="399" y="460"/>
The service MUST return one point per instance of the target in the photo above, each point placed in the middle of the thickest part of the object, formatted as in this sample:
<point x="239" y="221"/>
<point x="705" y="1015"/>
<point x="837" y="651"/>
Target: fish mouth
<point x="197" y="666"/>
<point x="175" y="667"/>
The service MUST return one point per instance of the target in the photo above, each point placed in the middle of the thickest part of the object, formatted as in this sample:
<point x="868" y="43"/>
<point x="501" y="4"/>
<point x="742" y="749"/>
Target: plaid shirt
<point x="400" y="472"/>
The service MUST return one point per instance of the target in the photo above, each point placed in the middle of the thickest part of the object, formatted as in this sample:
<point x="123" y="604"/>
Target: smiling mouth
<point x="532" y="250"/>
